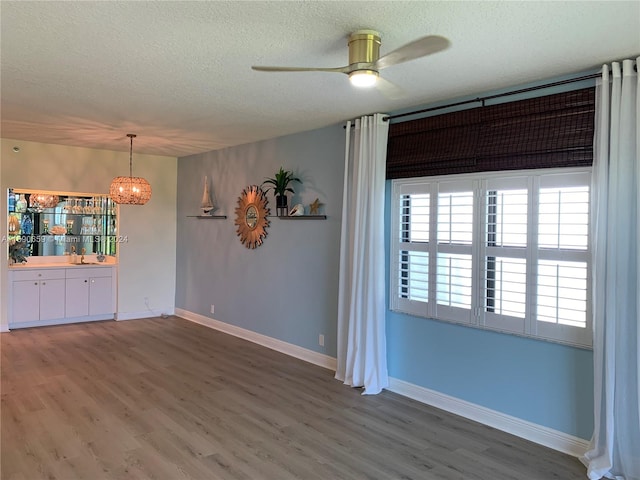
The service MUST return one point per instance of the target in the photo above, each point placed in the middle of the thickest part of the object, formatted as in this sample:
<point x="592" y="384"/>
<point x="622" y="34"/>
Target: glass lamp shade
<point x="130" y="190"/>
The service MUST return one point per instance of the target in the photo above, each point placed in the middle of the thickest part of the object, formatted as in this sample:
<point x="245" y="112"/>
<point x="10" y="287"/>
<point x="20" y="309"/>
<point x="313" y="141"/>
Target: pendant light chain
<point x="131" y="137"/>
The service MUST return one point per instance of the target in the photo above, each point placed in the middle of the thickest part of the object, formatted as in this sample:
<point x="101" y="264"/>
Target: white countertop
<point x="63" y="262"/>
<point x="28" y="266"/>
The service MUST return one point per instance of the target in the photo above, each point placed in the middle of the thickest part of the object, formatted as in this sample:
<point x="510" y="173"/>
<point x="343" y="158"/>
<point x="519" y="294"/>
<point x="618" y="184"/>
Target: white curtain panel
<point x="615" y="447"/>
<point x="362" y="352"/>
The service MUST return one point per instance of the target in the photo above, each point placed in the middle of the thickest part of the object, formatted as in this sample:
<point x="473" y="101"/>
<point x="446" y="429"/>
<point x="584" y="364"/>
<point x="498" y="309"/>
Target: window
<point x="502" y="251"/>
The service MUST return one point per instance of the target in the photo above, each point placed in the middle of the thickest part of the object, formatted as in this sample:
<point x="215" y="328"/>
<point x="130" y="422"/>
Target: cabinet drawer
<point x="45" y="274"/>
<point x="89" y="272"/>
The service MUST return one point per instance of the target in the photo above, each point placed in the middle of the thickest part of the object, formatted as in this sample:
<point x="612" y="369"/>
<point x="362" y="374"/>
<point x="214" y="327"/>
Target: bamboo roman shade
<point x="543" y="132"/>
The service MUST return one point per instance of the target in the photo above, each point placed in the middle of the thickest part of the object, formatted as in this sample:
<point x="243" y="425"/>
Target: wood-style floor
<point x="169" y="399"/>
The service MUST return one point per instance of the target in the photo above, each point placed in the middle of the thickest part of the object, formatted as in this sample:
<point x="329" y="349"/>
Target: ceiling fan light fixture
<point x="130" y="190"/>
<point x="363" y="78"/>
<point x="365" y="61"/>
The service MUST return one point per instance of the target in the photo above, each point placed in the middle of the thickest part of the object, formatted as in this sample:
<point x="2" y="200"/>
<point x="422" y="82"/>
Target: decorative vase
<point x="21" y="203"/>
<point x="14" y="225"/>
<point x="26" y="225"/>
<point x="281" y="205"/>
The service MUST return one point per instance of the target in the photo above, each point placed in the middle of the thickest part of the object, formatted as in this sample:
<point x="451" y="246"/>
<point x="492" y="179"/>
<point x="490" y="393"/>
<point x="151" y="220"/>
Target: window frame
<point x="477" y="316"/>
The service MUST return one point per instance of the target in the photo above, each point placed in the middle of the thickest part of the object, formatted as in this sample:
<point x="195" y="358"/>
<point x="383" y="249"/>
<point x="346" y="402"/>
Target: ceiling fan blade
<point x="416" y="49"/>
<point x="301" y="69"/>
<point x="389" y="90"/>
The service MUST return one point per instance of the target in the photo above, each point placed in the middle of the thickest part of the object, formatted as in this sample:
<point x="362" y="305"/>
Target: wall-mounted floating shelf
<point x="217" y="217"/>
<point x="300" y="217"/>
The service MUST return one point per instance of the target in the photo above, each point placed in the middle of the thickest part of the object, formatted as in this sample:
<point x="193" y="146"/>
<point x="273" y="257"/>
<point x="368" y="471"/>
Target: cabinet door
<point x="25" y="301"/>
<point x="52" y="299"/>
<point x="77" y="297"/>
<point x="100" y="296"/>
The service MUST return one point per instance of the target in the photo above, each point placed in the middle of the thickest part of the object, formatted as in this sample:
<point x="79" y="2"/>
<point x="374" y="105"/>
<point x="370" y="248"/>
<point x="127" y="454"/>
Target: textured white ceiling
<point x="177" y="73"/>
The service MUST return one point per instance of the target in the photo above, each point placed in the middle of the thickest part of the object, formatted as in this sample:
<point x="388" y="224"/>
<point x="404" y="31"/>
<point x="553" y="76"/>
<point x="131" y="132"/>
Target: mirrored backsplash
<point x="51" y="223"/>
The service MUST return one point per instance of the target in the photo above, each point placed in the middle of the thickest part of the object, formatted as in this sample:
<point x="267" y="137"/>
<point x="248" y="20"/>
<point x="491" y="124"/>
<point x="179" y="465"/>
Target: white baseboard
<point x="60" y="321"/>
<point x="269" y="342"/>
<point x="539" y="434"/>
<point x="154" y="312"/>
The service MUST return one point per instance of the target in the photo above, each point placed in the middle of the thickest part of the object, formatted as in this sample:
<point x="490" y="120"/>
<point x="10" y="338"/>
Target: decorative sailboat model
<point x="206" y="205"/>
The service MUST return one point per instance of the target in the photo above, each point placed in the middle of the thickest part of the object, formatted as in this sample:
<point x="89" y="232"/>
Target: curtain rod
<point x="491" y="97"/>
<point x="498" y="95"/>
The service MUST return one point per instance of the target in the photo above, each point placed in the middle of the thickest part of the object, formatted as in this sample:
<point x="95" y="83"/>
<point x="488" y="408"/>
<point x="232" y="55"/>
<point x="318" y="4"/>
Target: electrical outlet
<point x="213" y="309"/>
<point x="321" y="340"/>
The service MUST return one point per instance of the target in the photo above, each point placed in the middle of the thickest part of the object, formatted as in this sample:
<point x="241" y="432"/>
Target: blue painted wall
<point x="541" y="382"/>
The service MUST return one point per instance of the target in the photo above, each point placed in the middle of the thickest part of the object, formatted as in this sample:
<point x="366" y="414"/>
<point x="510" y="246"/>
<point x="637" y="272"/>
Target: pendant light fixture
<point x="39" y="201"/>
<point x="130" y="190"/>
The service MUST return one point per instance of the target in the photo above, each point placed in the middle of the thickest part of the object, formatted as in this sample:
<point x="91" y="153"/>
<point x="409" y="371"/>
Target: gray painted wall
<point x="288" y="287"/>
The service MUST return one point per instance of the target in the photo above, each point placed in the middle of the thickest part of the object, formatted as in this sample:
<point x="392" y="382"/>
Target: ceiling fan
<point x="365" y="60"/>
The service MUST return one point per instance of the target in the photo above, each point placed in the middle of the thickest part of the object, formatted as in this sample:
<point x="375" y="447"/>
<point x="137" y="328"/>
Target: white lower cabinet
<point x="89" y="292"/>
<point x="38" y="295"/>
<point x="77" y="297"/>
<point x="100" y="296"/>
<point x="60" y="295"/>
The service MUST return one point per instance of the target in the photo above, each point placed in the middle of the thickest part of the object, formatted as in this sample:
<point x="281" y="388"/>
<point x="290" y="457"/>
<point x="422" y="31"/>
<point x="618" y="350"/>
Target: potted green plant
<point x="18" y="251"/>
<point x="280" y="186"/>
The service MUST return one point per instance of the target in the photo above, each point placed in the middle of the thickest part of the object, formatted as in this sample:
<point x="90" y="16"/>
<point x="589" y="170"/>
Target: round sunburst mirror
<point x="251" y="216"/>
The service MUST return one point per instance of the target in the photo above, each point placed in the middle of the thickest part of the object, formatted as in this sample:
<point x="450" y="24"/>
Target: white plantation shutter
<point x="503" y="297"/>
<point x="413" y="280"/>
<point x="507" y="294"/>
<point x="415" y="217"/>
<point x="504" y="251"/>
<point x="410" y="245"/>
<point x="454" y="270"/>
<point x="414" y="276"/>
<point x="564" y="218"/>
<point x="562" y="293"/>
<point x="563" y="272"/>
